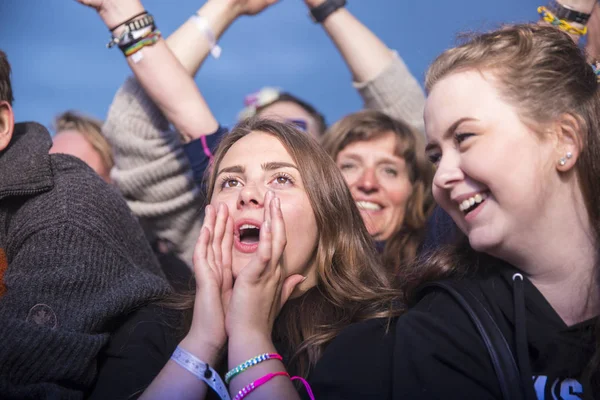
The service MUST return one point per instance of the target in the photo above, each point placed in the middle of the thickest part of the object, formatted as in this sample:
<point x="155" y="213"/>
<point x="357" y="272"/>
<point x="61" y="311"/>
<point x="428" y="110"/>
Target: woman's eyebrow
<point x="238" y="169"/>
<point x="270" y="166"/>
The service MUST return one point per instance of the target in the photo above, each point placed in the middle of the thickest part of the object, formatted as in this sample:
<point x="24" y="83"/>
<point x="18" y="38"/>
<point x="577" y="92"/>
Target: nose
<point x="368" y="182"/>
<point x="250" y="196"/>
<point x="448" y="172"/>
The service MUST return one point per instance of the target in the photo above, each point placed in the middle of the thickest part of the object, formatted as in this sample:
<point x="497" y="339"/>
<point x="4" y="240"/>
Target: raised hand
<point x="251" y="7"/>
<point x="212" y="268"/>
<point x="313" y="3"/>
<point x="114" y="12"/>
<point x="262" y="286"/>
<point x="96" y="4"/>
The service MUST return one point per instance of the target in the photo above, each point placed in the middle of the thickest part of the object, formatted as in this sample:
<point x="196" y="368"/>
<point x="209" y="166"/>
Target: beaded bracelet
<point x="560" y="23"/>
<point x="250" y="363"/>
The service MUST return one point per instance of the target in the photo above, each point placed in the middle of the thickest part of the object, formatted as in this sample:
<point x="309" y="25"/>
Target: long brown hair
<point x="543" y="74"/>
<point x="351" y="283"/>
<point x="401" y="248"/>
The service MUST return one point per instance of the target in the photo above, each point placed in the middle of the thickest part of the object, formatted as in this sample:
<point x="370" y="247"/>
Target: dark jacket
<point x="434" y="351"/>
<point x="438" y="353"/>
<point x="77" y="262"/>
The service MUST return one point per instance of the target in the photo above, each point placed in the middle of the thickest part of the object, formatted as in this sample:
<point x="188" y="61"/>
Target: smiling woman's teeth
<point x="367" y="205"/>
<point x="468" y="203"/>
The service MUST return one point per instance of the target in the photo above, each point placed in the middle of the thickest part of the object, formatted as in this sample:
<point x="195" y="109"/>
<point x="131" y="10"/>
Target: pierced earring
<point x="563" y="160"/>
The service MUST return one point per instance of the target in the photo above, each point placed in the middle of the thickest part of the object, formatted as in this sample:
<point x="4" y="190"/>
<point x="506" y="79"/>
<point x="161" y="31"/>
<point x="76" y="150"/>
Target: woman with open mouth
<point x="283" y="265"/>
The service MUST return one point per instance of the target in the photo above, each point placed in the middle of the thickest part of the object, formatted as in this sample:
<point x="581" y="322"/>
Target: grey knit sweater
<point x="78" y="262"/>
<point x="154" y="175"/>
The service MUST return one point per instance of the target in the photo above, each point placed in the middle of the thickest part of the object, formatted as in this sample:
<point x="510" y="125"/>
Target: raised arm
<point x="151" y="168"/>
<point x="162" y="76"/>
<point x="381" y="77"/>
<point x="191" y="44"/>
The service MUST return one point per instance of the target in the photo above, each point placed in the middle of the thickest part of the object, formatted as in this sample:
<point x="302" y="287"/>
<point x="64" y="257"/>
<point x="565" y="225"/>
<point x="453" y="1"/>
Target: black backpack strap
<point x="495" y="342"/>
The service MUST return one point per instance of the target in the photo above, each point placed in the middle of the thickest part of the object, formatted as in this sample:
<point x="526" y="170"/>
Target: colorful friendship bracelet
<point x="560" y="23"/>
<point x="201" y="370"/>
<point x="148" y="40"/>
<point x="250" y="363"/>
<point x="246" y="390"/>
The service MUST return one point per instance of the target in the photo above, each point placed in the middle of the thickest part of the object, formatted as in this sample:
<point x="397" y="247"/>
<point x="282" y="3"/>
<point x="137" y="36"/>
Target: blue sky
<point x="60" y="62"/>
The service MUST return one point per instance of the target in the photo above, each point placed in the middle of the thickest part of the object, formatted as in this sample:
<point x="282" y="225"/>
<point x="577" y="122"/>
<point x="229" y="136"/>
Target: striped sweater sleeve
<point x="151" y="169"/>
<point x="395" y="92"/>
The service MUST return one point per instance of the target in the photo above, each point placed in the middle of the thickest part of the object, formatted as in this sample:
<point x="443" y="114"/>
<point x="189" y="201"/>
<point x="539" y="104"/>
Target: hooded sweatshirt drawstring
<point x="521" y="336"/>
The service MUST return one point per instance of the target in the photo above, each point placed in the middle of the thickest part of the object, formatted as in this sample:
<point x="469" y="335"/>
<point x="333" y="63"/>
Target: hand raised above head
<point x="262" y="286"/>
<point x="251" y="7"/>
<point x="314" y="3"/>
<point x="114" y="12"/>
<point x="96" y="4"/>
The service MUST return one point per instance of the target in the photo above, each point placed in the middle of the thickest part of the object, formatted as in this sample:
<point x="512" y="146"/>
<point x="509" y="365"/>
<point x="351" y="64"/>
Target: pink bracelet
<point x="257" y="383"/>
<point x="261" y="381"/>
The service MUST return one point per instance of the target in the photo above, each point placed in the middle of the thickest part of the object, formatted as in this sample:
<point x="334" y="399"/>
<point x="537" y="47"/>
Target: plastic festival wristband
<point x="201" y="370"/>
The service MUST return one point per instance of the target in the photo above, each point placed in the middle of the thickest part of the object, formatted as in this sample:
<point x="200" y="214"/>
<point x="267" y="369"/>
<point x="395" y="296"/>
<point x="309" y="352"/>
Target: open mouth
<point x="368" y="205"/>
<point x="249" y="234"/>
<point x="472" y="203"/>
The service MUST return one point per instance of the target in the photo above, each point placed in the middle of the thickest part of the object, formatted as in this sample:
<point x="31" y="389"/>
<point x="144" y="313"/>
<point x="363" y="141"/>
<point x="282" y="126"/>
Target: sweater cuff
<point x="200" y="153"/>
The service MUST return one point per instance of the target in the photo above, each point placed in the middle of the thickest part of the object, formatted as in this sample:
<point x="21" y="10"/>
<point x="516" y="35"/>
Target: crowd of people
<point x="429" y="247"/>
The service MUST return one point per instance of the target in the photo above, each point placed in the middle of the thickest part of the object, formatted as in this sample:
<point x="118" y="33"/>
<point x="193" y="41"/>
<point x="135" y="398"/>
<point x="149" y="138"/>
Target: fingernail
<point x="267" y="226"/>
<point x="277" y="202"/>
<point x="303" y="279"/>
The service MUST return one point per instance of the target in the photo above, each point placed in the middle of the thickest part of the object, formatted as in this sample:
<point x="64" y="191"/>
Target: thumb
<point x="288" y="287"/>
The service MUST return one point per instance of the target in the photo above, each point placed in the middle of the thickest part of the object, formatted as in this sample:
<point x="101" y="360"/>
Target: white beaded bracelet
<point x="201" y="370"/>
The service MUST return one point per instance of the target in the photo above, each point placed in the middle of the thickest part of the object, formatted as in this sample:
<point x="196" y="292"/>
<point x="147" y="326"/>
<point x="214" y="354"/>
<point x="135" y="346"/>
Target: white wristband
<point x="203" y="26"/>
<point x="201" y="370"/>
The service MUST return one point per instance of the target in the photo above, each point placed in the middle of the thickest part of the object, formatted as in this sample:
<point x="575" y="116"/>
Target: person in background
<point x="81" y="136"/>
<point x="383" y="162"/>
<point x="74" y="263"/>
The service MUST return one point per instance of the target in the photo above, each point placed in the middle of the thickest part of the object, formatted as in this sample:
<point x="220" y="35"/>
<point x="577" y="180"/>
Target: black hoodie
<point x="435" y="352"/>
<point x="439" y="354"/>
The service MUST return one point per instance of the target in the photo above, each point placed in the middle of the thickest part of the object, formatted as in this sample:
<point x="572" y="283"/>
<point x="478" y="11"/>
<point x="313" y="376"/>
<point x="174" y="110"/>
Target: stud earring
<point x="563" y="160"/>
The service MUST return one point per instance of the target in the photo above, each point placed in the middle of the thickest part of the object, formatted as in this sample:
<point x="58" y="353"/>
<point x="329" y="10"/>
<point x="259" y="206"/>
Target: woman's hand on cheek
<point x="212" y="269"/>
<point x="262" y="286"/>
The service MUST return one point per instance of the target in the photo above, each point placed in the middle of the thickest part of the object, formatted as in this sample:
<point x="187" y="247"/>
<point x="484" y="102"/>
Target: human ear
<point x="568" y="141"/>
<point x="7" y="124"/>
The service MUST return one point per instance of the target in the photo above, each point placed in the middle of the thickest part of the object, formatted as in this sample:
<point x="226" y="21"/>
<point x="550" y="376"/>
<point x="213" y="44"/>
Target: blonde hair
<point x="91" y="129"/>
<point x="401" y="248"/>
